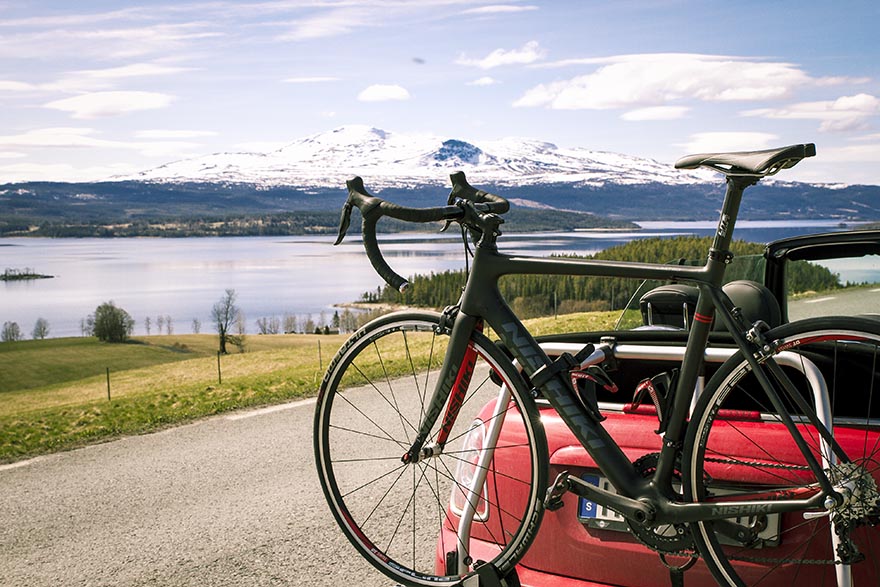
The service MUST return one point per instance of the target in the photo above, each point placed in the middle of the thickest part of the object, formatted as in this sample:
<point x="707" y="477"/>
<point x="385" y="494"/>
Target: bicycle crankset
<point x="663" y="538"/>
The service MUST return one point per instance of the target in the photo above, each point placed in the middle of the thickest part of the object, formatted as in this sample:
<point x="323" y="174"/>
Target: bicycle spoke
<point x="402" y="514"/>
<point x="733" y="454"/>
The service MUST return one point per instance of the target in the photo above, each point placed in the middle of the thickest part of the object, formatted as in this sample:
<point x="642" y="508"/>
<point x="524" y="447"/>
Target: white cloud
<point x="717" y="142"/>
<point x="484" y="81"/>
<point x="846" y="113"/>
<point x="90" y="80"/>
<point x="500" y="9"/>
<point x="328" y="24"/>
<point x="311" y="80"/>
<point x="656" y="79"/>
<point x="103" y="104"/>
<point x="122" y="42"/>
<point x="656" y="113"/>
<point x="55" y="137"/>
<point x="61" y="172"/>
<point x="174" y="134"/>
<point x="13" y="86"/>
<point x="132" y="70"/>
<point x="862" y="153"/>
<point x="11" y="155"/>
<point x="528" y="53"/>
<point x="79" y="137"/>
<point x="382" y="93"/>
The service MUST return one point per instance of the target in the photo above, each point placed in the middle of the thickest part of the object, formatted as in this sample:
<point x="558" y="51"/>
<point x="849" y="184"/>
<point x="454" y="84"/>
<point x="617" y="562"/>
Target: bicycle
<point x="421" y="417"/>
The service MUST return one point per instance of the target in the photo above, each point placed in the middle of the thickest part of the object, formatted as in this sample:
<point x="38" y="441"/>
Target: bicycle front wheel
<point x="474" y="500"/>
<point x="738" y="450"/>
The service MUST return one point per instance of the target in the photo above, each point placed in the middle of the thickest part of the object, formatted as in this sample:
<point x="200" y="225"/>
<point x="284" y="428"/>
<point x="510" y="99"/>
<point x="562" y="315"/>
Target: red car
<point x="584" y="545"/>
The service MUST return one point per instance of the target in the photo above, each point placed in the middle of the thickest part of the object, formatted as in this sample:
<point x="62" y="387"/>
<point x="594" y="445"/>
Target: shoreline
<point x="376" y="306"/>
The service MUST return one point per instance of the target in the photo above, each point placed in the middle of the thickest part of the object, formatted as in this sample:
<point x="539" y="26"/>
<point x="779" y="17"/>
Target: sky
<point x="96" y="88"/>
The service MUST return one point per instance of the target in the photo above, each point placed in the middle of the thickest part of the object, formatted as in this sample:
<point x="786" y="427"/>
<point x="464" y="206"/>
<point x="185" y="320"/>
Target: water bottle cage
<point x="660" y="389"/>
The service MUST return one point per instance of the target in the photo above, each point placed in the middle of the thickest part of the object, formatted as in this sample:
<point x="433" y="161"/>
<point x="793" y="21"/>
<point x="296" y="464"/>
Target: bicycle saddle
<point x="759" y="163"/>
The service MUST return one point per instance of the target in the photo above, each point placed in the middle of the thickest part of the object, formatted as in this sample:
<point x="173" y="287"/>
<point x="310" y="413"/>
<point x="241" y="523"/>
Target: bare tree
<point x="196" y="326"/>
<point x="169" y="324"/>
<point x="160" y="323"/>
<point x="240" y="328"/>
<point x="147" y="324"/>
<point x="11" y="332"/>
<point x="290" y="324"/>
<point x="263" y="325"/>
<point x="224" y="315"/>
<point x="270" y="325"/>
<point x="41" y="329"/>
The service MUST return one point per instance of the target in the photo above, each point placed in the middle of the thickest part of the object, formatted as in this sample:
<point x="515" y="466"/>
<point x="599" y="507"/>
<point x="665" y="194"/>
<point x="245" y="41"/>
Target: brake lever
<point x="344" y="222"/>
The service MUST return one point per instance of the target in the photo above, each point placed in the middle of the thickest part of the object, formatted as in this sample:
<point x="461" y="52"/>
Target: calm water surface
<point x="272" y="276"/>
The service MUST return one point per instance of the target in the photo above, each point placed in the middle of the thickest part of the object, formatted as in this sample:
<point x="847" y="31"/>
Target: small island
<point x="22" y="274"/>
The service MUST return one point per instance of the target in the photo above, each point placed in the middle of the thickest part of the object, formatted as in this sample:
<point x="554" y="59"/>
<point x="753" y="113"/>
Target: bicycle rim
<point x="406" y="519"/>
<point x="740" y="451"/>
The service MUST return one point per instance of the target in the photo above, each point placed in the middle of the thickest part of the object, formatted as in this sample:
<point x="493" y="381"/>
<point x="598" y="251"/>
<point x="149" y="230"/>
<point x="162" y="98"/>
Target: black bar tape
<point x="371" y="245"/>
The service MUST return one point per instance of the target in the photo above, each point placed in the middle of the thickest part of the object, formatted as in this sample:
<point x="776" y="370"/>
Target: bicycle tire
<point x="737" y="448"/>
<point x="403" y="518"/>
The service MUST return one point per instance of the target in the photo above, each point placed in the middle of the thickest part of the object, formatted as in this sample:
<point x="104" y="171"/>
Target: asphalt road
<point x="841" y="303"/>
<point x="228" y="501"/>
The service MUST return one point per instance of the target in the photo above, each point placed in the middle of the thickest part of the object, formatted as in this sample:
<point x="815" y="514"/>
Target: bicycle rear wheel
<point x="435" y="520"/>
<point x="739" y="450"/>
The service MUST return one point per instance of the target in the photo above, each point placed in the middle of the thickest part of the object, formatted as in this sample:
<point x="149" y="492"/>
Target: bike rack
<point x="489" y="577"/>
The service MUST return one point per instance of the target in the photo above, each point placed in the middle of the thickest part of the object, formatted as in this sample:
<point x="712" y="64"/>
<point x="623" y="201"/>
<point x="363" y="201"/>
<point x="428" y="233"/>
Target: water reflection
<point x="183" y="278"/>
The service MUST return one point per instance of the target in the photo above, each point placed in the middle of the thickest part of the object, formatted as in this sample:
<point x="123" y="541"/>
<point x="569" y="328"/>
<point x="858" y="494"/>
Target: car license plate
<point x="598" y="516"/>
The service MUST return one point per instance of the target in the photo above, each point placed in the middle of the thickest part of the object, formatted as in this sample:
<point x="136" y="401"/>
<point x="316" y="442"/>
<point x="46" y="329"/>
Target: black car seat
<point x="673" y="305"/>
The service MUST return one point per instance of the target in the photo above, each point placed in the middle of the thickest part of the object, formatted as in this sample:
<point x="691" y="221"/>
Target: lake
<point x="272" y="276"/>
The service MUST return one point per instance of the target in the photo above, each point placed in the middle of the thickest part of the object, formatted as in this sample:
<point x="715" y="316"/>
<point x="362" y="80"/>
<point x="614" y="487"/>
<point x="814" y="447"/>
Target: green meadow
<point x="54" y="392"/>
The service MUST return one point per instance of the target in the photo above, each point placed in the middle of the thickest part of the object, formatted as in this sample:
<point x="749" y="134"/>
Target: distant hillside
<point x="29" y="205"/>
<point x="239" y="193"/>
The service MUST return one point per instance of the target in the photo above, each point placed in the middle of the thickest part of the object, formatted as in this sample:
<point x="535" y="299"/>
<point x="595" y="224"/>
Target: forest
<point x="542" y="295"/>
<point x="304" y="222"/>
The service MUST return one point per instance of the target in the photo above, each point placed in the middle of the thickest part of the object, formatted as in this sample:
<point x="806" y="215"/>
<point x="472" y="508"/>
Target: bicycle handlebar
<point x="373" y="208"/>
<point x="462" y="189"/>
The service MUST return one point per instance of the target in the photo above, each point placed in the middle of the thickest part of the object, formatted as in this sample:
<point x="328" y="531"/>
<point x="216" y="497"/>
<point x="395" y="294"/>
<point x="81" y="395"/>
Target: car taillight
<point x="465" y="473"/>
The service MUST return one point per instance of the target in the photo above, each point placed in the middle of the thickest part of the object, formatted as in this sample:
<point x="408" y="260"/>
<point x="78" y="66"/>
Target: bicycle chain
<point x="645" y="464"/>
<point x="757" y="464"/>
<point x="756" y="559"/>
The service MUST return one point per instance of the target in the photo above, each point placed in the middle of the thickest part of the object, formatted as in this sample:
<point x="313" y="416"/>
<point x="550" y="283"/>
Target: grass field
<point x="53" y="393"/>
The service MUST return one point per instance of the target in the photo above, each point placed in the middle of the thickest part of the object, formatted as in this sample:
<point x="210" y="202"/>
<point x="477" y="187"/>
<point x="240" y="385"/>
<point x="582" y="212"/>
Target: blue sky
<point x="93" y="88"/>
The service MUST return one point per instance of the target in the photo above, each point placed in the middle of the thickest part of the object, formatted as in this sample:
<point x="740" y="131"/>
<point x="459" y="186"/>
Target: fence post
<point x="108" y="384"/>
<point x="219" y="374"/>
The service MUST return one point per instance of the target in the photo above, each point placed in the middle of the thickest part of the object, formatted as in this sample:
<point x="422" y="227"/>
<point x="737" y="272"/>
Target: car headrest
<point x="670" y="305"/>
<point x="756" y="301"/>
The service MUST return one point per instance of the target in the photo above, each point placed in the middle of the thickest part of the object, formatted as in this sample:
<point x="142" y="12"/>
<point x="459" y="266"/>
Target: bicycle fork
<point x="452" y="385"/>
<point x="451" y="393"/>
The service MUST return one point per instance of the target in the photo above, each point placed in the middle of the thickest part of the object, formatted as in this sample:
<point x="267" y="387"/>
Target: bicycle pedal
<point x="553" y="504"/>
<point x="553" y="499"/>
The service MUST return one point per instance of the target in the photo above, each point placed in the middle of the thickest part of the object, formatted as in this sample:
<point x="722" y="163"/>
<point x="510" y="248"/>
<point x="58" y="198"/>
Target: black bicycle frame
<point x="482" y="301"/>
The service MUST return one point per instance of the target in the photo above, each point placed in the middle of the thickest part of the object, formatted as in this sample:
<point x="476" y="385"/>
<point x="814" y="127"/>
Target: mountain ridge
<point x="308" y="176"/>
<point x="389" y="159"/>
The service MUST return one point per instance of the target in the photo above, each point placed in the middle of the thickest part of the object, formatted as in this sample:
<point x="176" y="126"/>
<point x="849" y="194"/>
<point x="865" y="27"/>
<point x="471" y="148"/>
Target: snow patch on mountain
<point x="388" y="159"/>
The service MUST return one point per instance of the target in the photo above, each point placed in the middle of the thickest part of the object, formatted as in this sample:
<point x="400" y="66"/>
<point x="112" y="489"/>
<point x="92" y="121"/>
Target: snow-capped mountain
<point x="385" y="159"/>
